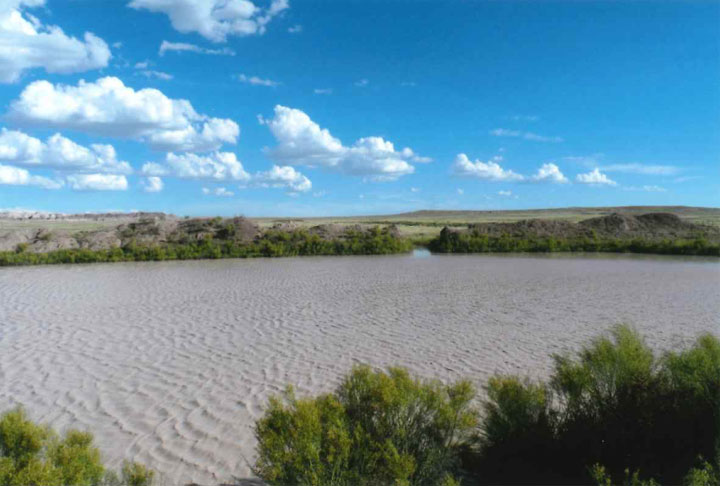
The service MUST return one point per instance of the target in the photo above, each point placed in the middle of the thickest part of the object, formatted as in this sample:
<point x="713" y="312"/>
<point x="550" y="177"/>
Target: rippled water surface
<point x="171" y="363"/>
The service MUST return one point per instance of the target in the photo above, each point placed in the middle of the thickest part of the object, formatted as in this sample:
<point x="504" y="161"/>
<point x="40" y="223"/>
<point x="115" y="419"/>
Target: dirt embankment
<point x="142" y="229"/>
<point x="615" y="225"/>
<point x="149" y="229"/>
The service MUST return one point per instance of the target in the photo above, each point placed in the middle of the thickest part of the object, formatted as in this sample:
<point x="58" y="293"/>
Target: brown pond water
<point x="170" y="363"/>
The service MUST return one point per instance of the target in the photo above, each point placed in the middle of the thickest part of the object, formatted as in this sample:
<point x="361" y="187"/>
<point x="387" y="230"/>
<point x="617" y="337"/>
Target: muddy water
<point x="170" y="363"/>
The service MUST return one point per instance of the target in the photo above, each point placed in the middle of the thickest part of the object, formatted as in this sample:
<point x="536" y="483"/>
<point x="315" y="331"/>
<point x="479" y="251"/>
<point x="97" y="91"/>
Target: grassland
<point x="427" y="224"/>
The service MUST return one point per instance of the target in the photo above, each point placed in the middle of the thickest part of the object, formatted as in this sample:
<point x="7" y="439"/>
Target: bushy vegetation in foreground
<point x="473" y="242"/>
<point x="614" y="406"/>
<point x="34" y="455"/>
<point x="273" y="243"/>
<point x="376" y="429"/>
<point x="612" y="414"/>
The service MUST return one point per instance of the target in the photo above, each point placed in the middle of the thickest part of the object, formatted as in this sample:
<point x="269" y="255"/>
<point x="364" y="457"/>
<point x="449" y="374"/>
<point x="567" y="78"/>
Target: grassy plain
<point x="419" y="225"/>
<point x="427" y="224"/>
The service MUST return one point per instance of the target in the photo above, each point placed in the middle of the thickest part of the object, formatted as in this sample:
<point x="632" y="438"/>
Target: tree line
<point x="449" y="241"/>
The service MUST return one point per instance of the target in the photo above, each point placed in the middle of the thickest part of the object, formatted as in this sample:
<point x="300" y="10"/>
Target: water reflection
<point x="421" y="253"/>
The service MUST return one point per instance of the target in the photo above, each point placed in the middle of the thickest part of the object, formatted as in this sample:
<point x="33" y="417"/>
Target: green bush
<point x="273" y="243"/>
<point x="602" y="478"/>
<point x="704" y="475"/>
<point x="449" y="241"/>
<point x="518" y="421"/>
<point x="34" y="455"/>
<point x="377" y="428"/>
<point x="614" y="403"/>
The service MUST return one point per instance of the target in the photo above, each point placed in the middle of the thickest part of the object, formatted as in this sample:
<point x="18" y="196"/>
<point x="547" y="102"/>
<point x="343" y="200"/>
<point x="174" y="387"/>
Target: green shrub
<point x="602" y="478"/>
<point x="518" y="421"/>
<point x="134" y="474"/>
<point x="304" y="442"/>
<point x="32" y="454"/>
<point x="449" y="241"/>
<point x="613" y="403"/>
<point x="377" y="428"/>
<point x="273" y="243"/>
<point x="704" y="475"/>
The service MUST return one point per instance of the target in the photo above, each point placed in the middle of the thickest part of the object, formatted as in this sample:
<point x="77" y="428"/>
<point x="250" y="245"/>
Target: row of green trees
<point x="376" y="241"/>
<point x="473" y="242"/>
<point x="34" y="455"/>
<point x="273" y="243"/>
<point x="613" y="413"/>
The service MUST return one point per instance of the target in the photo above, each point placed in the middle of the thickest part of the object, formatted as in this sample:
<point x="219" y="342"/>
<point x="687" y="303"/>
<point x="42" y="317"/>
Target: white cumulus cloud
<point x="218" y="191"/>
<point x="153" y="169"/>
<point x="225" y="166"/>
<point x="59" y="153"/>
<point x="284" y="177"/>
<point x="215" y="19"/>
<point x="550" y="173"/>
<point x="490" y="170"/>
<point x="15" y="176"/>
<point x="595" y="177"/>
<point x="25" y="43"/>
<point x="221" y="166"/>
<point x="97" y="182"/>
<point x="301" y="141"/>
<point x="108" y="107"/>
<point x="152" y="184"/>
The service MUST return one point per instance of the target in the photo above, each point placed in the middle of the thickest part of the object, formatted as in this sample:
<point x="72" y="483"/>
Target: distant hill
<point x="689" y="213"/>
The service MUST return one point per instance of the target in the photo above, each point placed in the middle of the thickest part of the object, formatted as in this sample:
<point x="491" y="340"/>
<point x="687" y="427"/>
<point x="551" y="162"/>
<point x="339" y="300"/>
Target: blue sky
<point x="307" y="108"/>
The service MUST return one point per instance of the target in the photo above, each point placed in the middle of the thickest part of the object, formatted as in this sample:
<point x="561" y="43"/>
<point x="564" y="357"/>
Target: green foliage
<point x="77" y="461"/>
<point x="704" y="475"/>
<point x="473" y="242"/>
<point x="32" y="454"/>
<point x="514" y="408"/>
<point x="273" y="243"/>
<point x="305" y="442"/>
<point x="134" y="474"/>
<point x="613" y="403"/>
<point x="377" y="428"/>
<point x="517" y="422"/>
<point x="604" y="374"/>
<point x="602" y="478"/>
<point x="696" y="371"/>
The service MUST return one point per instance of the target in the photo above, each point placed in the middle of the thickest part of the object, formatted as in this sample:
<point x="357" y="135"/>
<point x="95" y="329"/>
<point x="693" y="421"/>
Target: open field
<point x="427" y="224"/>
